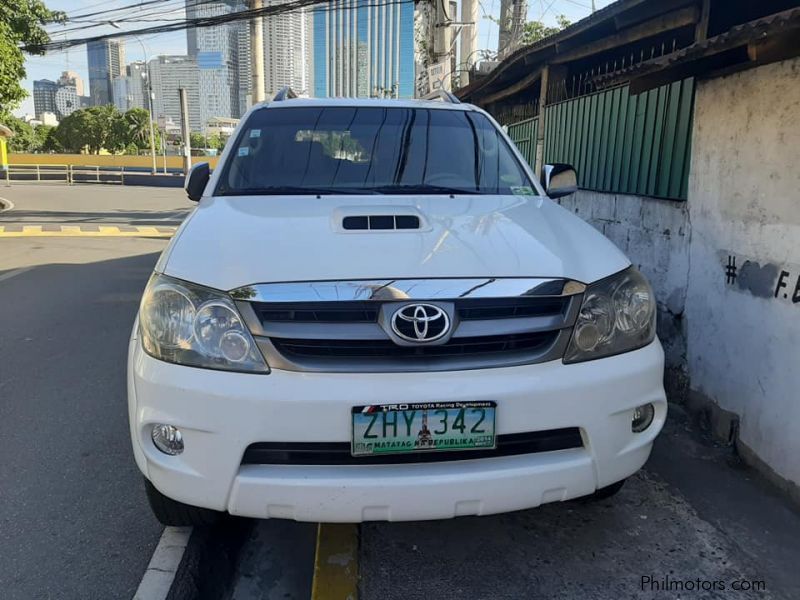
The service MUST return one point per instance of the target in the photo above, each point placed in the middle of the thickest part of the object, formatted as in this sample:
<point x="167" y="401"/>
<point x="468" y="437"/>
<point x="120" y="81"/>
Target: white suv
<point x="377" y="313"/>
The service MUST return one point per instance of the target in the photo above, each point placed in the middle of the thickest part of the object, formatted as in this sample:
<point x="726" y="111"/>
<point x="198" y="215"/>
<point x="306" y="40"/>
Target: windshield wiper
<point x="422" y="189"/>
<point x="292" y="190"/>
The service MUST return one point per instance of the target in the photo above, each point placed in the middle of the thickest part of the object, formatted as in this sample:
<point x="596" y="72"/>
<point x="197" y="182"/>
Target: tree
<point x="72" y="133"/>
<point x="24" y="136"/>
<point x="216" y="141"/>
<point x="533" y="31"/>
<point x="95" y="128"/>
<point x="21" y="26"/>
<point x="198" y="141"/>
<point x="51" y="143"/>
<point x="137" y="126"/>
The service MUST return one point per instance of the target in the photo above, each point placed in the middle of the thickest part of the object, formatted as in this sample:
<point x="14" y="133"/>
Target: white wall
<point x="654" y="234"/>
<point x="733" y="343"/>
<point x="744" y="202"/>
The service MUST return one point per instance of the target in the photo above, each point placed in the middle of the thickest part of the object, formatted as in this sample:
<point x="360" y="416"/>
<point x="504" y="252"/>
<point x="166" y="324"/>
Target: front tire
<point x="177" y="514"/>
<point x="608" y="491"/>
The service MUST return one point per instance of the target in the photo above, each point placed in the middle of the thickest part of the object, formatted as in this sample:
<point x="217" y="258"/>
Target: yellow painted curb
<point x="336" y="562"/>
<point x="78" y="231"/>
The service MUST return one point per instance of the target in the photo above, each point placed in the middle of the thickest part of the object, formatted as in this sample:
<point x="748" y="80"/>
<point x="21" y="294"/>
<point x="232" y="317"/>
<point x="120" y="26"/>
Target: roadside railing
<point x="37" y="173"/>
<point x="68" y="174"/>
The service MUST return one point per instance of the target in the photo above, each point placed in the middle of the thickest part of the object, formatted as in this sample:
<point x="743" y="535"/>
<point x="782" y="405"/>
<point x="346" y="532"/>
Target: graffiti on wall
<point x="768" y="280"/>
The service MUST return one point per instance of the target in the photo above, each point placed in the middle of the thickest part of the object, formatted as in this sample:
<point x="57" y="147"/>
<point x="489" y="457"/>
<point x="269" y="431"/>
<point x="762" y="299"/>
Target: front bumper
<point x="221" y="413"/>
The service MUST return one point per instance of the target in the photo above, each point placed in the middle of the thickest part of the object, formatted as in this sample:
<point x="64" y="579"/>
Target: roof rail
<point x="442" y="94"/>
<point x="285" y="94"/>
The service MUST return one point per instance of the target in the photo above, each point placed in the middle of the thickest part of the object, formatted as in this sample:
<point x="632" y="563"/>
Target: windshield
<point x="352" y="150"/>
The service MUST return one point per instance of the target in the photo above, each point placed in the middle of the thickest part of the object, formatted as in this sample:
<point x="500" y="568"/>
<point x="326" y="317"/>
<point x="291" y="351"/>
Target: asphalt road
<point x="74" y="522"/>
<point x="694" y="524"/>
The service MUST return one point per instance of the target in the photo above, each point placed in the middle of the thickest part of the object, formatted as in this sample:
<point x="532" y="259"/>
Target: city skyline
<point x="175" y="43"/>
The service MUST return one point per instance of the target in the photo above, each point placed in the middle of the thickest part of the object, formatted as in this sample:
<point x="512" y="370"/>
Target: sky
<point x="52" y="64"/>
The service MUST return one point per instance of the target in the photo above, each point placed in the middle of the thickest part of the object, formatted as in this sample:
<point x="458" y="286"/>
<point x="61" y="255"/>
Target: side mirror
<point x="196" y="180"/>
<point x="559" y="180"/>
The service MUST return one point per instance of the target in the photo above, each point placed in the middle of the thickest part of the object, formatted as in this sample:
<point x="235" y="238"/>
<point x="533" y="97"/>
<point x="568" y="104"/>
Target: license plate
<point x="423" y="427"/>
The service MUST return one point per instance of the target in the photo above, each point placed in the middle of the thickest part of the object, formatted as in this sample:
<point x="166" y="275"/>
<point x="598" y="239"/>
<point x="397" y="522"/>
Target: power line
<point x="199" y="22"/>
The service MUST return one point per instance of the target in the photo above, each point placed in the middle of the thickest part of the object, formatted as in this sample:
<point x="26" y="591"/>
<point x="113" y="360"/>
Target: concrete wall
<point x="655" y="235"/>
<point x="744" y="203"/>
<point x="725" y="265"/>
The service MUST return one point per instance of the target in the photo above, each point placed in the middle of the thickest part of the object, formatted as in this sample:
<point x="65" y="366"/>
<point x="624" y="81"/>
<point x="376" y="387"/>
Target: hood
<point x="229" y="242"/>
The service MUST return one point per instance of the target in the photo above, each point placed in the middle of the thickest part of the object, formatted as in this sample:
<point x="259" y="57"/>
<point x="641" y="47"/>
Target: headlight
<point x="196" y="326"/>
<point x="618" y="314"/>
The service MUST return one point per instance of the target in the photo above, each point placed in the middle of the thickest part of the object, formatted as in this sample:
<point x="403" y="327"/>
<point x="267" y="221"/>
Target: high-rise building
<point x="73" y="79"/>
<point x="167" y="75"/>
<point x="121" y="95"/>
<point x="106" y="60"/>
<point x="222" y="53"/>
<point x="244" y="67"/>
<point x="216" y="49"/>
<point x="288" y="51"/>
<point x="52" y="97"/>
<point x="137" y="84"/>
<point x="67" y="101"/>
<point x="364" y="48"/>
<point x="44" y="96"/>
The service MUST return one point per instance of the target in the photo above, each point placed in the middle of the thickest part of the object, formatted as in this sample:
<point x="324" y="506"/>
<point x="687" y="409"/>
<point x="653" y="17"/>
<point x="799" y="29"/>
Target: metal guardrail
<point x="68" y="174"/>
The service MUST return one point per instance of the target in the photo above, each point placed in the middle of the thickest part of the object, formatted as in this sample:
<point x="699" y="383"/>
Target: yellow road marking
<point x="336" y="562"/>
<point x="77" y="231"/>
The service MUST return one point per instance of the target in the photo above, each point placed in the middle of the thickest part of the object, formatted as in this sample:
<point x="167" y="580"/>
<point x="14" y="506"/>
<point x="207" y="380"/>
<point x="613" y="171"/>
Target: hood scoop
<point x="373" y="222"/>
<point x="378" y="218"/>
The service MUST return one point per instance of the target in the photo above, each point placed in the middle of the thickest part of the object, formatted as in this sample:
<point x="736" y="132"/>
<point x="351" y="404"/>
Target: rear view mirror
<point x="559" y="180"/>
<point x="196" y="181"/>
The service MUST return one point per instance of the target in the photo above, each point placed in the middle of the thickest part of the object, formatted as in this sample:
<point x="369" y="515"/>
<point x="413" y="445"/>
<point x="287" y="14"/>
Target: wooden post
<point x="538" y="162"/>
<point x="701" y="30"/>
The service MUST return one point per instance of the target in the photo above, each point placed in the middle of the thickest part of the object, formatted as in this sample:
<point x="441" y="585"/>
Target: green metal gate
<point x="523" y="134"/>
<point x="617" y="142"/>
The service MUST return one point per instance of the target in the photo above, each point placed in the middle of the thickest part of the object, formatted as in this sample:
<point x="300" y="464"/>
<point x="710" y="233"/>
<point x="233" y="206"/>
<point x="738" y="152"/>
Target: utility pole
<point x="443" y="41"/>
<point x="187" y="144"/>
<point x="150" y="118"/>
<point x="257" y="52"/>
<point x="469" y="38"/>
<point x="504" y="35"/>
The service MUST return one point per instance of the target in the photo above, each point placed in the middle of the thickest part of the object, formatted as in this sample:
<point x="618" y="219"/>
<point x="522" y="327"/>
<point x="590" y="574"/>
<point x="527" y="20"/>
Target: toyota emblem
<point x="420" y="323"/>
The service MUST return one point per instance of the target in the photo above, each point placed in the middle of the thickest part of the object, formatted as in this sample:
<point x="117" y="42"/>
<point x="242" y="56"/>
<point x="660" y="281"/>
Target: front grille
<point x="510" y="308"/>
<point x="338" y="453"/>
<point x="317" y="312"/>
<point x="353" y="327"/>
<point x="468" y="309"/>
<point x="455" y="347"/>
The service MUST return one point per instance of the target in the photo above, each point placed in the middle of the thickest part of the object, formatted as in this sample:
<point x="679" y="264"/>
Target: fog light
<point x="168" y="439"/>
<point x="642" y="417"/>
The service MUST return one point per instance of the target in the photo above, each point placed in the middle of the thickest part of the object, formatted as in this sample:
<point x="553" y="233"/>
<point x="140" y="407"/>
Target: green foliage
<point x="105" y="128"/>
<point x="21" y="26"/>
<point x="536" y="30"/>
<point x="28" y="138"/>
<point x="137" y="128"/>
<point x="51" y="143"/>
<point x="198" y="141"/>
<point x="216" y="141"/>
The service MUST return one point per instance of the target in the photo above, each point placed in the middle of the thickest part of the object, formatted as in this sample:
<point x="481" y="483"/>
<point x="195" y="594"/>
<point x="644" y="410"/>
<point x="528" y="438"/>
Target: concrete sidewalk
<point x="694" y="524"/>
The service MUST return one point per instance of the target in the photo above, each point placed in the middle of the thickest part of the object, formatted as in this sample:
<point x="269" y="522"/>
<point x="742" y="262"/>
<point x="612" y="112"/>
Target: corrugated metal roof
<point x="735" y="36"/>
<point x="604" y="14"/>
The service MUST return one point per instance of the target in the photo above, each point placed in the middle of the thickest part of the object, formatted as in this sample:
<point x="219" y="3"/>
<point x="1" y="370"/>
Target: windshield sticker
<point x="244" y="151"/>
<point x="522" y="190"/>
<point x="255" y="133"/>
